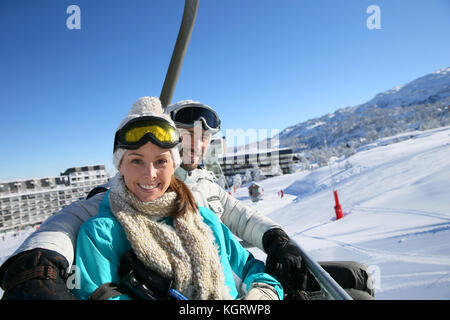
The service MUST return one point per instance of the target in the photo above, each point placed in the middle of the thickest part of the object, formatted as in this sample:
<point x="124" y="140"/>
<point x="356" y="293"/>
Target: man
<point x="197" y="123"/>
<point x="26" y="274"/>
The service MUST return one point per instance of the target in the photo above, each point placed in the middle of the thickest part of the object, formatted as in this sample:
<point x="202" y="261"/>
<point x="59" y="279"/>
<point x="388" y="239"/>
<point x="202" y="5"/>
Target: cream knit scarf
<point x="185" y="252"/>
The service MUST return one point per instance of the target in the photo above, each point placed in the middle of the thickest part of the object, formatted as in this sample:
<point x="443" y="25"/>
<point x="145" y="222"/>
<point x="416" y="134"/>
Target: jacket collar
<point x="193" y="176"/>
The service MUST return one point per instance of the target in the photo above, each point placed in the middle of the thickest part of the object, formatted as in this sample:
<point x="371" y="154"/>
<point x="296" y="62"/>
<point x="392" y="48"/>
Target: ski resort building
<point x="253" y="164"/>
<point x="269" y="162"/>
<point x="30" y="202"/>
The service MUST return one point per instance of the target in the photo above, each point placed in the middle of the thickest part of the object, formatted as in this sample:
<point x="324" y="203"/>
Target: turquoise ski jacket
<point x="102" y="242"/>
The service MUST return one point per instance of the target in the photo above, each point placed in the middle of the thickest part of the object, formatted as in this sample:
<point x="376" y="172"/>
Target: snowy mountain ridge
<point x="429" y="88"/>
<point x="421" y="104"/>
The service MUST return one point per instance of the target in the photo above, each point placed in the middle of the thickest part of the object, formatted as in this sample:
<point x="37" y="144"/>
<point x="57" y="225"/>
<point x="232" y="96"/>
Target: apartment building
<point x="29" y="202"/>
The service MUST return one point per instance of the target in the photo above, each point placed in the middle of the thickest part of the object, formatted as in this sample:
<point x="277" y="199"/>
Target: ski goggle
<point x="141" y="130"/>
<point x="186" y="116"/>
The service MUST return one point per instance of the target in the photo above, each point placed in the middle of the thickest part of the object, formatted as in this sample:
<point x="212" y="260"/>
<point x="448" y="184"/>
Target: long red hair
<point x="185" y="200"/>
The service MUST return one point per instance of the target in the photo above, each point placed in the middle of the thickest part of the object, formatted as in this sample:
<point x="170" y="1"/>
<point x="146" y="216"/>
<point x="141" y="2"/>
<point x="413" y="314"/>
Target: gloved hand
<point x="38" y="274"/>
<point x="284" y="260"/>
<point x="261" y="291"/>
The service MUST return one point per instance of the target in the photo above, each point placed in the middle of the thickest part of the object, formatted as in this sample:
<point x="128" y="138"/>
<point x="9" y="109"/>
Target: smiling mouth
<point x="149" y="187"/>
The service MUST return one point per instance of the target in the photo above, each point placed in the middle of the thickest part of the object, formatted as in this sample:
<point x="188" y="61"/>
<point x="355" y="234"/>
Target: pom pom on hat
<point x="146" y="106"/>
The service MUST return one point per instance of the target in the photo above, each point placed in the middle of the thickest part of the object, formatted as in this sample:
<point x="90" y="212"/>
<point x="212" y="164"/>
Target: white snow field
<point x="395" y="195"/>
<point x="396" y="203"/>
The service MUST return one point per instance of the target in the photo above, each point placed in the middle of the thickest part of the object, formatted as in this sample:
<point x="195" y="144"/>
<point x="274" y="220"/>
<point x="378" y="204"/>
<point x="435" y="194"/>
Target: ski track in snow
<point x="377" y="255"/>
<point x="398" y="235"/>
<point x="377" y="210"/>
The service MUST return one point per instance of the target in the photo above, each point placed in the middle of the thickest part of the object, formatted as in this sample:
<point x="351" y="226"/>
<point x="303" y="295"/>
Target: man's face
<point x="194" y="143"/>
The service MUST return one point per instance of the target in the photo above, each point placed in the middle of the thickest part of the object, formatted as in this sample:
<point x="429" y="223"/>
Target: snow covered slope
<point x="395" y="197"/>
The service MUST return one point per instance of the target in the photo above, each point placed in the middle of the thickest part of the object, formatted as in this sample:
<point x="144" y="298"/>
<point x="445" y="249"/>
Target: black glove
<point x="38" y="274"/>
<point x="140" y="281"/>
<point x="284" y="260"/>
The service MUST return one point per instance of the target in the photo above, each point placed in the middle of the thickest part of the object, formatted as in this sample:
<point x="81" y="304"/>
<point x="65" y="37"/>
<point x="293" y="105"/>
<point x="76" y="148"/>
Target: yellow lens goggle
<point x="144" y="129"/>
<point x="136" y="134"/>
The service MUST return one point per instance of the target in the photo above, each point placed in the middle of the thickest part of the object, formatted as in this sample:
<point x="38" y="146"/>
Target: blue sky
<point x="262" y="64"/>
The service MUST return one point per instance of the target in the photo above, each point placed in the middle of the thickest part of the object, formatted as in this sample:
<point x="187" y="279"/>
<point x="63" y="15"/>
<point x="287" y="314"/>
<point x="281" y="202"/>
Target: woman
<point x="151" y="212"/>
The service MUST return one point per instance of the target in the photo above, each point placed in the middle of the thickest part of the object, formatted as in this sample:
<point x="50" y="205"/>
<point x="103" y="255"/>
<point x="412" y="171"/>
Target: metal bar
<point x="184" y="35"/>
<point x="333" y="290"/>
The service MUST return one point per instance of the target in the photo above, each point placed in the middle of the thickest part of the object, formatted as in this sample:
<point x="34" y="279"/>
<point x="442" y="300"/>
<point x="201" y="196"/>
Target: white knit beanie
<point x="146" y="106"/>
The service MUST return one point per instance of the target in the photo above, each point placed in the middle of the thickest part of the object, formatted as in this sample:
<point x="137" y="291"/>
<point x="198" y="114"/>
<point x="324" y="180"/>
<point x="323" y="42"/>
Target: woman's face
<point x="147" y="171"/>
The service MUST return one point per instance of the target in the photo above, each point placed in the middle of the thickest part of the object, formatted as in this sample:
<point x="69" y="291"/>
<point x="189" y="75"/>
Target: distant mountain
<point x="418" y="105"/>
<point x="427" y="89"/>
